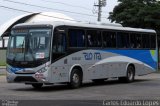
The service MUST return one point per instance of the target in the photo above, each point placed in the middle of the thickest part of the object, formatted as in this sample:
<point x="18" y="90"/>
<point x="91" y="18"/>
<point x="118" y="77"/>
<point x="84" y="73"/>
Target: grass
<point x="2" y="74"/>
<point x="2" y="63"/>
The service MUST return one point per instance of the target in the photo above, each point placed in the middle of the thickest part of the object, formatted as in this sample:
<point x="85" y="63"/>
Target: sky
<point x="80" y="10"/>
<point x="81" y="7"/>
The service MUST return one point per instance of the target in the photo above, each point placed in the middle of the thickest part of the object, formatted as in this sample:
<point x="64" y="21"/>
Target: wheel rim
<point x="130" y="74"/>
<point x="75" y="78"/>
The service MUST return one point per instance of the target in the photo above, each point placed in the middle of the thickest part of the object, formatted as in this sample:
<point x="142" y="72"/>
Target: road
<point x="145" y="87"/>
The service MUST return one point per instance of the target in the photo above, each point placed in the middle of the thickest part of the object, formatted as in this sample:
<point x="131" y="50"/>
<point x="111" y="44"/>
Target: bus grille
<point x="25" y="79"/>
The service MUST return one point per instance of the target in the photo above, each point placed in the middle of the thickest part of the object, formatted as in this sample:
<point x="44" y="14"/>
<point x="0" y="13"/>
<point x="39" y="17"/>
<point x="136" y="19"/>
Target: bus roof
<point x="89" y="25"/>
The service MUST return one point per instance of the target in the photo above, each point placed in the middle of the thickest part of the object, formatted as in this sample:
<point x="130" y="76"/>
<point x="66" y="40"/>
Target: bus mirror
<point x="0" y="38"/>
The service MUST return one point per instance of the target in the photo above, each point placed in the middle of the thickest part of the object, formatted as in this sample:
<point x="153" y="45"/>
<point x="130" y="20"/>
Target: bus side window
<point x="90" y="41"/>
<point x="109" y="39"/>
<point x="145" y="41"/>
<point x="139" y="40"/>
<point x="91" y="34"/>
<point x="76" y="38"/>
<point x="54" y="45"/>
<point x="105" y="39"/>
<point x="133" y="40"/>
<point x="59" y="43"/>
<point x="122" y="40"/>
<point x="99" y="39"/>
<point x="153" y="40"/>
<point x="94" y="38"/>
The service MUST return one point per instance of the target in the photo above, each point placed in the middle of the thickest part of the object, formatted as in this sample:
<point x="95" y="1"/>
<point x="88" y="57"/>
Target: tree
<point x="137" y="13"/>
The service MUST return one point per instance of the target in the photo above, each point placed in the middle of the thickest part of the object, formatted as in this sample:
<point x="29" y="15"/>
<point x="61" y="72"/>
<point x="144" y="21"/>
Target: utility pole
<point x="101" y="3"/>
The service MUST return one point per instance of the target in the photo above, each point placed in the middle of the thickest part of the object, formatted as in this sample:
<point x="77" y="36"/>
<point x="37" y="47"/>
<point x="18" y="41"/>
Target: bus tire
<point x="130" y="75"/>
<point x="75" y="79"/>
<point x="37" y="86"/>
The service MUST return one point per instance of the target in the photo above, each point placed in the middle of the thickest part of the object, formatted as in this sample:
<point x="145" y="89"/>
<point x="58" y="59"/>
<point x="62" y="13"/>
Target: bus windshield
<point x="29" y="45"/>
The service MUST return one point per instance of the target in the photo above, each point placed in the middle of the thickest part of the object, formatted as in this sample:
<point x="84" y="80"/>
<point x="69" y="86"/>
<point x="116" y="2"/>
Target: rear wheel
<point x="37" y="86"/>
<point x="130" y="75"/>
<point x="75" y="79"/>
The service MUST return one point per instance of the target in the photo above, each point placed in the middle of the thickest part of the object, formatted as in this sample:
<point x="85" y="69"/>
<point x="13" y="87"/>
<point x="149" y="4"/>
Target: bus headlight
<point x="42" y="70"/>
<point x="40" y="74"/>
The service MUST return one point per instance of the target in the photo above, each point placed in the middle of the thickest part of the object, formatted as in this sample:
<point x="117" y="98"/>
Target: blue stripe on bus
<point x="144" y="56"/>
<point x="15" y="69"/>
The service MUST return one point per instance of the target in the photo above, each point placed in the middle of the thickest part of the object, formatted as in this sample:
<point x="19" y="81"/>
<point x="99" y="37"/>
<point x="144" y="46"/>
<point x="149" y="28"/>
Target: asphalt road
<point x="145" y="87"/>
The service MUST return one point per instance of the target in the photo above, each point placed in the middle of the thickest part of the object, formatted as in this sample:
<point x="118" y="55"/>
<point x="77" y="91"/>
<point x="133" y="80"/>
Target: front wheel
<point x="75" y="79"/>
<point x="37" y="86"/>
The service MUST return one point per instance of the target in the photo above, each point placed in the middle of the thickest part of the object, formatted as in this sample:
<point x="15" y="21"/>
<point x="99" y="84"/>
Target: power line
<point x="50" y="8"/>
<point x="88" y="9"/>
<point x="1" y="6"/>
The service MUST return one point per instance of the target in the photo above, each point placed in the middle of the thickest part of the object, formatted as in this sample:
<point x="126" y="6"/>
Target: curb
<point x="2" y="70"/>
<point x="2" y="67"/>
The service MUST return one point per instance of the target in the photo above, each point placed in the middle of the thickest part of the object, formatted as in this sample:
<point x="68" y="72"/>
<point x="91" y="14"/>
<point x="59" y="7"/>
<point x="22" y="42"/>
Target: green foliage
<point x="2" y="64"/>
<point x="137" y="13"/>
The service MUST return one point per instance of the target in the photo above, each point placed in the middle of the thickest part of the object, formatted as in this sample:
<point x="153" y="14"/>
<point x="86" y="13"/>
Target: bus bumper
<point x="26" y="78"/>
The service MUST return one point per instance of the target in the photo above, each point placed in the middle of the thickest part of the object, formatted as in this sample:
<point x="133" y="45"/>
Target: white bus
<point x="72" y="53"/>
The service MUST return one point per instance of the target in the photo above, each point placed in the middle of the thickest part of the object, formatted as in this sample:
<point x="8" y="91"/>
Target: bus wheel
<point x="37" y="86"/>
<point x="75" y="79"/>
<point x="129" y="76"/>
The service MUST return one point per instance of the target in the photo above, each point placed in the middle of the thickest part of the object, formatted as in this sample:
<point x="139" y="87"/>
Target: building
<point x="28" y="18"/>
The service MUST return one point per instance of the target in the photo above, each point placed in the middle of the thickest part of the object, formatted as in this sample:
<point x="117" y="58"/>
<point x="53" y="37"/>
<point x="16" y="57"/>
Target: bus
<point x="73" y="53"/>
